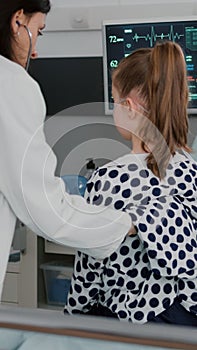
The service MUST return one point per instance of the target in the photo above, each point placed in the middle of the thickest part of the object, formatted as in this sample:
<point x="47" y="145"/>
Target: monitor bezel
<point x="142" y="21"/>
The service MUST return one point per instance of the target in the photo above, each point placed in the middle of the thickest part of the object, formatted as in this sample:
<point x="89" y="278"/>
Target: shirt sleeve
<point x="28" y="182"/>
<point x="86" y="284"/>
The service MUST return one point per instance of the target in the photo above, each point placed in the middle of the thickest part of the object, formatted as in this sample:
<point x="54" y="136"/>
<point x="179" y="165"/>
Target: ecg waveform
<point x="153" y="36"/>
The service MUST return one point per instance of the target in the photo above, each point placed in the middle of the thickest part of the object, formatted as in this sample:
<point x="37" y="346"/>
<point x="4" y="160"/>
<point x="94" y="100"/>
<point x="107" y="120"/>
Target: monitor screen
<point x="123" y="37"/>
<point x="70" y="85"/>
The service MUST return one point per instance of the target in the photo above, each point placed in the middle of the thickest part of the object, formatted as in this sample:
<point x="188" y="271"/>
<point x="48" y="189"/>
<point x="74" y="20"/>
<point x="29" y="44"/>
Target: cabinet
<point x="24" y="281"/>
<point x="11" y="284"/>
<point x="49" y="252"/>
<point x="54" y="248"/>
<point x="20" y="284"/>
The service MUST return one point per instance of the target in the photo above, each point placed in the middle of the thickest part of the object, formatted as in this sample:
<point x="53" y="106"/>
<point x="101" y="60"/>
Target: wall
<point x="74" y="29"/>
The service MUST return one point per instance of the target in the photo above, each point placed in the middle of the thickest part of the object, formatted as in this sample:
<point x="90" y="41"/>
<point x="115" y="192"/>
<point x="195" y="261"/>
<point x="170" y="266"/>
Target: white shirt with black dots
<point x="148" y="271"/>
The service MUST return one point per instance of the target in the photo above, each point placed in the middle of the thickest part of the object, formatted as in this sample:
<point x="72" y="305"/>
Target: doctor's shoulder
<point x="21" y="87"/>
<point x="15" y="73"/>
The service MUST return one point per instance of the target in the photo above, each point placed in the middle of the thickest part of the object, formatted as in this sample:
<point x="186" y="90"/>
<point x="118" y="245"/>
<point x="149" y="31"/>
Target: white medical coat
<point x="29" y="189"/>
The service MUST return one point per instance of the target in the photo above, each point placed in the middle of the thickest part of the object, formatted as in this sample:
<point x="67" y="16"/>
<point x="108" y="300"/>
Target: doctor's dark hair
<point x="157" y="77"/>
<point x="7" y="9"/>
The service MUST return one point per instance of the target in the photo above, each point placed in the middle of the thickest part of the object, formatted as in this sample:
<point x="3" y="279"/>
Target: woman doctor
<point x="29" y="189"/>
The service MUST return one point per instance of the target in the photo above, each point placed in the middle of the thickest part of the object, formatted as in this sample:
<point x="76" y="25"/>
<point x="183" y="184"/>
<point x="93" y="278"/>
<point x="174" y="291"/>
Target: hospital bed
<point x="30" y="329"/>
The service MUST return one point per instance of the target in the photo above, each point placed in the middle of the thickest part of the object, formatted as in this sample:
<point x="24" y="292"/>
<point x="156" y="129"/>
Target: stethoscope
<point x="30" y="43"/>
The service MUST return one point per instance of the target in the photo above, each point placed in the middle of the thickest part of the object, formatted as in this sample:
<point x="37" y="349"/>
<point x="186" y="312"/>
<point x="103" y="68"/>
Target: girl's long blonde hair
<point x="159" y="78"/>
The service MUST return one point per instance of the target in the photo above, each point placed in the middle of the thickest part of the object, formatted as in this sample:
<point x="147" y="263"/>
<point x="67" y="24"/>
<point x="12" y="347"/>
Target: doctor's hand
<point x="132" y="231"/>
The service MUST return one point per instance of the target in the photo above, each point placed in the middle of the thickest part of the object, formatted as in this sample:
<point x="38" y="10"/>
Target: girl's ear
<point x="130" y="104"/>
<point x="131" y="108"/>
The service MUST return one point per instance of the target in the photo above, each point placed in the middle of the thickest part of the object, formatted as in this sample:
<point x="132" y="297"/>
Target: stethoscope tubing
<point x="30" y="47"/>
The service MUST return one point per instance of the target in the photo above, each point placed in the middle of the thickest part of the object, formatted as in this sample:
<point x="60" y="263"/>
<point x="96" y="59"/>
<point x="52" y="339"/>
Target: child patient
<point x="152" y="277"/>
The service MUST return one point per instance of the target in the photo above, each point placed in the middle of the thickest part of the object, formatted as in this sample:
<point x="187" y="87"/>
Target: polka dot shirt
<point x="149" y="270"/>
